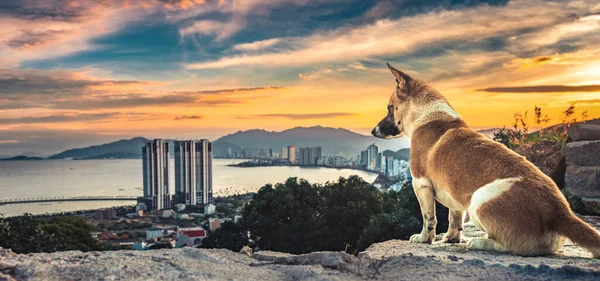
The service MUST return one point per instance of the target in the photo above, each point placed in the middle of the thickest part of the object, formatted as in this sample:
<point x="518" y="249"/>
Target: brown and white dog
<point x="521" y="209"/>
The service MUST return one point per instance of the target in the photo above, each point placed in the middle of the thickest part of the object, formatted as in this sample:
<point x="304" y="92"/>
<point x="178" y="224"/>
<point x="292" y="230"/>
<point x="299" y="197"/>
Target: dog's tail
<point x="579" y="232"/>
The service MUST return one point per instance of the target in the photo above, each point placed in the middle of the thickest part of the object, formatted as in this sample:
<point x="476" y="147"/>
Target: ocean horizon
<point x="68" y="178"/>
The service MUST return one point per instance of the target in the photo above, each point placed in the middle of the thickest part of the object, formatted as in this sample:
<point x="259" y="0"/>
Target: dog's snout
<point x="374" y="132"/>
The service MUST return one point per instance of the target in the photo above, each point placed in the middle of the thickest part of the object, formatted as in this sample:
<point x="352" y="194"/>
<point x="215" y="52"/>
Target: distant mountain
<point x="402" y="154"/>
<point x="224" y="146"/>
<point x="489" y="132"/>
<point x="132" y="148"/>
<point x="332" y="140"/>
<point x="21" y="157"/>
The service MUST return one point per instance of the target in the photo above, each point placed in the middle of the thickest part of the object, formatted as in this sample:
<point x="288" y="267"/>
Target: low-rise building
<point x="133" y="215"/>
<point x="106" y="214"/>
<point x="167" y="213"/>
<point x="96" y="234"/>
<point x="210" y="209"/>
<point x="155" y="232"/>
<point x="190" y="237"/>
<point x="141" y="206"/>
<point x="179" y="207"/>
<point x="214" y="224"/>
<point x="179" y="216"/>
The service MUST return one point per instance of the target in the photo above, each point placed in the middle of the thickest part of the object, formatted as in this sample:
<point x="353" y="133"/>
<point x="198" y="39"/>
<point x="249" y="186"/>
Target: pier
<point x="67" y="199"/>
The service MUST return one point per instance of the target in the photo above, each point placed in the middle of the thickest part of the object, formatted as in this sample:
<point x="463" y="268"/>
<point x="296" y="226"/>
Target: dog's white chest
<point x="442" y="196"/>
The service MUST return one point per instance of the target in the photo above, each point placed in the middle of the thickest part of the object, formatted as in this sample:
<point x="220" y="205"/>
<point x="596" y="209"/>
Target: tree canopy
<point x="299" y="217"/>
<point x="26" y="234"/>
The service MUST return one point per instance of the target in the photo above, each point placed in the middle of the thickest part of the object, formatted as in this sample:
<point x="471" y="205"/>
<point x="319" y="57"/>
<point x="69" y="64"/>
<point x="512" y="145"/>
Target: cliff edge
<point x="390" y="260"/>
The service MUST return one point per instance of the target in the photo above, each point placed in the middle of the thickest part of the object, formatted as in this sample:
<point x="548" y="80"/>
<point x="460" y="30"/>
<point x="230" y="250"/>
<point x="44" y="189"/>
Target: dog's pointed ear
<point x="401" y="78"/>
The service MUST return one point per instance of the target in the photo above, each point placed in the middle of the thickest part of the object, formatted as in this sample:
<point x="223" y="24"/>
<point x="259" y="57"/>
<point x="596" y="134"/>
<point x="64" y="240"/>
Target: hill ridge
<point x="334" y="141"/>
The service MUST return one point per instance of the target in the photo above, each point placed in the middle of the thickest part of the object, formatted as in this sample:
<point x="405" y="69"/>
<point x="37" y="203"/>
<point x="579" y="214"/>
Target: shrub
<point x="519" y="133"/>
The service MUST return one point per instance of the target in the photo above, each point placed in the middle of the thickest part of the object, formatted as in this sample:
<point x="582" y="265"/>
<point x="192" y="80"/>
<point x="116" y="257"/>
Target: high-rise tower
<point x="155" y="155"/>
<point x="193" y="172"/>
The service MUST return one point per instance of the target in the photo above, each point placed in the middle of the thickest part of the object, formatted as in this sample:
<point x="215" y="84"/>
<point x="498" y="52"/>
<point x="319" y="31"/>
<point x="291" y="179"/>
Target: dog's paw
<point x="451" y="239"/>
<point x="418" y="238"/>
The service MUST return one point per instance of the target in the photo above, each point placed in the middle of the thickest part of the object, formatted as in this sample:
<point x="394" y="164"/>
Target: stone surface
<point x="589" y="130"/>
<point x="583" y="181"/>
<point x="591" y="205"/>
<point x="583" y="153"/>
<point x="548" y="156"/>
<point x="390" y="260"/>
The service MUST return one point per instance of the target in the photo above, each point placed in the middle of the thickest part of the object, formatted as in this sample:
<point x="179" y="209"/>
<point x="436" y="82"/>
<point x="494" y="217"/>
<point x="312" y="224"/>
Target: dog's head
<point x="393" y="124"/>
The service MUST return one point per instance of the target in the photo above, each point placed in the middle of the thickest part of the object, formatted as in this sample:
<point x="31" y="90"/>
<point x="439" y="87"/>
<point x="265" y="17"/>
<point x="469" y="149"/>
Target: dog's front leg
<point x="455" y="219"/>
<point x="424" y="190"/>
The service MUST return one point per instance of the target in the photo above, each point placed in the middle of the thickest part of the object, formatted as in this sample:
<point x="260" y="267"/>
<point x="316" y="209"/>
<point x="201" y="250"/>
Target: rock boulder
<point x="583" y="131"/>
<point x="582" y="177"/>
<point x="390" y="260"/>
<point x="583" y="153"/>
<point x="583" y="181"/>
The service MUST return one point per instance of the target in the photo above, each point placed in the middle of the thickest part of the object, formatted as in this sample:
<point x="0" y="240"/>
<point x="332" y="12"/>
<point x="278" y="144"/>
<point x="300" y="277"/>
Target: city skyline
<point x="80" y="72"/>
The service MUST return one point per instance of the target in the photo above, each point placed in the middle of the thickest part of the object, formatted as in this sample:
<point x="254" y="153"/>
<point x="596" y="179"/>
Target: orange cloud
<point x="572" y="58"/>
<point x="181" y="4"/>
<point x="258" y="45"/>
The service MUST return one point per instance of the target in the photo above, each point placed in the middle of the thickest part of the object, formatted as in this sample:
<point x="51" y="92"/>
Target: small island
<point x="21" y="158"/>
<point x="263" y="163"/>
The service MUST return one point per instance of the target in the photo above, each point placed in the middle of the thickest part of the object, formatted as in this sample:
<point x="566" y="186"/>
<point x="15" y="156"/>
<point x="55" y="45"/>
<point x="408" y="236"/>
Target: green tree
<point x="346" y="209"/>
<point x="297" y="217"/>
<point x="285" y="218"/>
<point x="26" y="234"/>
<point x="22" y="234"/>
<point x="230" y="236"/>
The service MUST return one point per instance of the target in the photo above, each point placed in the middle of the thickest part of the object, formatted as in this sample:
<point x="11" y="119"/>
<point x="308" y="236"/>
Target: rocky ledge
<point x="390" y="260"/>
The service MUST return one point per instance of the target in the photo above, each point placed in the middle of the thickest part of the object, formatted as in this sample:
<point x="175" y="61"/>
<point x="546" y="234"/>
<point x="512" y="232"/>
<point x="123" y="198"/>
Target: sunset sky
<point x="76" y="73"/>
